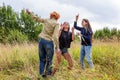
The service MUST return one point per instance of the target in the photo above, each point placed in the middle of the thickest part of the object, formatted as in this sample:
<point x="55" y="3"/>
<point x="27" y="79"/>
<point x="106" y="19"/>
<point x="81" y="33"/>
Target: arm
<point x="55" y="37"/>
<point x="60" y="29"/>
<point x="72" y="33"/>
<point x="75" y="23"/>
<point x="76" y="27"/>
<point x="36" y="18"/>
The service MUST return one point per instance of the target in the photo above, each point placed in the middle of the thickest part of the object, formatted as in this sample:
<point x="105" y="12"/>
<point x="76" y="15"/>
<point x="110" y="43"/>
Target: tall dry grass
<point x="21" y="62"/>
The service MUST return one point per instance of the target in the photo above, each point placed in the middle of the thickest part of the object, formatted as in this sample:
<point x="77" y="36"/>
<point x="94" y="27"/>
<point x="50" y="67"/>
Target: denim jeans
<point x="86" y="51"/>
<point x="46" y="51"/>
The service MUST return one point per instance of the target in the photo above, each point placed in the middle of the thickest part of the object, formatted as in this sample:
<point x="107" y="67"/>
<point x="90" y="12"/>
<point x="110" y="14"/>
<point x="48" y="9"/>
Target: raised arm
<point x="61" y="28"/>
<point x="36" y="18"/>
<point x="75" y="23"/>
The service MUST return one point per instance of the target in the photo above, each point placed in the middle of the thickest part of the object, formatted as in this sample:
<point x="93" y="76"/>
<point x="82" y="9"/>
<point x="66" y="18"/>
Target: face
<point x="66" y="26"/>
<point x="84" y="23"/>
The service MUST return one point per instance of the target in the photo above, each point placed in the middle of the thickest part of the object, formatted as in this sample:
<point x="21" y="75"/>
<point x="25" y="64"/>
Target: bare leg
<point x="57" y="63"/>
<point x="69" y="60"/>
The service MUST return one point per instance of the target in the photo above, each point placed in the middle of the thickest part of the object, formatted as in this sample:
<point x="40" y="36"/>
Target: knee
<point x="43" y="59"/>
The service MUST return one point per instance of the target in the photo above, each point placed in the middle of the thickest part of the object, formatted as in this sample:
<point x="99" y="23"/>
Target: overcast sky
<point x="101" y="13"/>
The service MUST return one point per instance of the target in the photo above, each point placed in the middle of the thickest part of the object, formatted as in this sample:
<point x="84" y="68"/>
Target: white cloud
<point x="100" y="13"/>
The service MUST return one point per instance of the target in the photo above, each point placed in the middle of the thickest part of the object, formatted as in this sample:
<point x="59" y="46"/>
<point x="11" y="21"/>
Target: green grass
<point x="21" y="62"/>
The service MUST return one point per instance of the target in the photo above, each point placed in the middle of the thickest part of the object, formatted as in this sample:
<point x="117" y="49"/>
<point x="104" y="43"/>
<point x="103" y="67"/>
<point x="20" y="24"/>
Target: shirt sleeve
<point x="76" y="27"/>
<point x="55" y="36"/>
<point x="41" y="20"/>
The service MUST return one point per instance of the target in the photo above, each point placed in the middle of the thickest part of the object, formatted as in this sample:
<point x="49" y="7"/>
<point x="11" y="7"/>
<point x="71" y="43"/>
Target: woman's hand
<point x="77" y="16"/>
<point x="79" y="34"/>
<point x="61" y="26"/>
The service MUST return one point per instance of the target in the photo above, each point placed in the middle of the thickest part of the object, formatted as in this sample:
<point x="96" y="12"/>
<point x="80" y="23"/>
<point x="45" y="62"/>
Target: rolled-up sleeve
<point x="56" y="37"/>
<point x="39" y="19"/>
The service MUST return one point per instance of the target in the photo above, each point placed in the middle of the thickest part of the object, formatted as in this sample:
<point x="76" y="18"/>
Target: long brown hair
<point x="88" y="26"/>
<point x="68" y="25"/>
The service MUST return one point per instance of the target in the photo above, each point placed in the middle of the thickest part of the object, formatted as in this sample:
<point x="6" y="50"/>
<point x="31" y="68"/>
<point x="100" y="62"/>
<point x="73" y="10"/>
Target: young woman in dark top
<point x="86" y="42"/>
<point x="65" y="39"/>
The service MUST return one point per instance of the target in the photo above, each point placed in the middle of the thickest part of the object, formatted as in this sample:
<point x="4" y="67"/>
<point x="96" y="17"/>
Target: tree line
<point x="107" y="34"/>
<point x="17" y="27"/>
<point x="20" y="27"/>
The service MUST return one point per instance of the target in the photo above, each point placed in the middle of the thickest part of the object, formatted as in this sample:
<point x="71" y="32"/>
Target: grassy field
<point x="21" y="62"/>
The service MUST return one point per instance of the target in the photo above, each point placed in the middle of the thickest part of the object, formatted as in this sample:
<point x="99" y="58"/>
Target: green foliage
<point x="118" y="34"/>
<point x="16" y="27"/>
<point x="17" y="36"/>
<point x="107" y="34"/>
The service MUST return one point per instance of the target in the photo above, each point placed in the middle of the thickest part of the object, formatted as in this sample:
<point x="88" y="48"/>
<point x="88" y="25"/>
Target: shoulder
<point x="69" y="33"/>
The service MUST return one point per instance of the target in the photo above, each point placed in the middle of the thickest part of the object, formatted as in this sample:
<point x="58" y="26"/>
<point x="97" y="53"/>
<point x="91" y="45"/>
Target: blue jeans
<point x="86" y="51"/>
<point x="46" y="51"/>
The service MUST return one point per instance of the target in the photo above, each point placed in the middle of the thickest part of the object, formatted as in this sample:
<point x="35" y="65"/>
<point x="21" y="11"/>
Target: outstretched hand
<point x="77" y="16"/>
<point x="61" y="26"/>
<point x="27" y="11"/>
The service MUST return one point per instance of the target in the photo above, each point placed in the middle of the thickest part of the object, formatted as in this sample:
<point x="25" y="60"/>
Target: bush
<point x="17" y="36"/>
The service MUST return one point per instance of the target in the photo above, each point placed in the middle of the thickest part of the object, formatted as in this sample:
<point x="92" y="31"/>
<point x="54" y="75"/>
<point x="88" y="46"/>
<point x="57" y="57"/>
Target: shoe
<point x="70" y="68"/>
<point x="54" y="71"/>
<point x="44" y="76"/>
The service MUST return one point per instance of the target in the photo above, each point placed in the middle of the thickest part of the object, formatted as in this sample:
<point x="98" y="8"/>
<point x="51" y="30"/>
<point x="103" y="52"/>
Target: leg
<point x="89" y="56"/>
<point x="58" y="61"/>
<point x="82" y="55"/>
<point x="42" y="58"/>
<point x="67" y="57"/>
<point x="50" y="52"/>
<point x="69" y="60"/>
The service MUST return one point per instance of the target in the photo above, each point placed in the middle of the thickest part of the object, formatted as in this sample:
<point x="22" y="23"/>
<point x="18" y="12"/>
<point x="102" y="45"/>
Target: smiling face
<point x="84" y="23"/>
<point x="66" y="26"/>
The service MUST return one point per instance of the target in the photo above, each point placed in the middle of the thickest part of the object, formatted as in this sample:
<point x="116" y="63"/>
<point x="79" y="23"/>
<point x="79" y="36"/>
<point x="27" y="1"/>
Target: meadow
<point x="21" y="62"/>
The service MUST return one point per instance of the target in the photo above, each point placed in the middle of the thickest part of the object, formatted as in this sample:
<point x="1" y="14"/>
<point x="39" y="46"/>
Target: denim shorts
<point x="64" y="50"/>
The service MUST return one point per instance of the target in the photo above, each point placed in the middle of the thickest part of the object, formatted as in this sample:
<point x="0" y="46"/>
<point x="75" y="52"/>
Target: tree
<point x="14" y="26"/>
